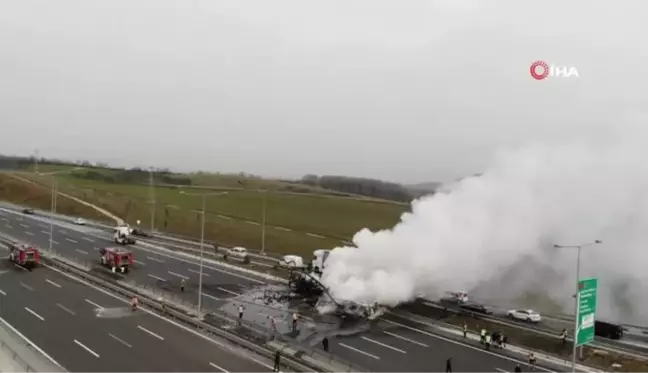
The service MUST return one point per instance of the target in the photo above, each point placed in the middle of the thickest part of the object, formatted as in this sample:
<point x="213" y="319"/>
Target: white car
<point x="291" y="261"/>
<point x="237" y="252"/>
<point x="524" y="315"/>
<point x="79" y="221"/>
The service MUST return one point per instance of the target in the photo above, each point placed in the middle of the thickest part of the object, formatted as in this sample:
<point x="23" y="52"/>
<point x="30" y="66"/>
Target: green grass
<point x="230" y="218"/>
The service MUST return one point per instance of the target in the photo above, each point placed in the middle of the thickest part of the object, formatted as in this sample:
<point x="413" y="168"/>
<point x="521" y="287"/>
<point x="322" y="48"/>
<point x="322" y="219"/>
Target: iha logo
<point x="541" y="70"/>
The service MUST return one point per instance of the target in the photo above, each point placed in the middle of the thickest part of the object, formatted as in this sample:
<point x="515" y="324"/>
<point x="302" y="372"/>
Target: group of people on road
<point x="497" y="339"/>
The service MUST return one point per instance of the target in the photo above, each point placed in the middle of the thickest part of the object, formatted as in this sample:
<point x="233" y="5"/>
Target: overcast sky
<point x="408" y="91"/>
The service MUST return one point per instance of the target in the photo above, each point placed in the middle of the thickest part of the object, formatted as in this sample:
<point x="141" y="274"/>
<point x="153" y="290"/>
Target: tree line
<point x="361" y="186"/>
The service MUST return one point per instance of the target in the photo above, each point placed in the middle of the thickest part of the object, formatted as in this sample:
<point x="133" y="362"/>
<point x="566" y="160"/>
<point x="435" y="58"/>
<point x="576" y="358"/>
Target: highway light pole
<point x="202" y="238"/>
<point x="263" y="220"/>
<point x="152" y="197"/>
<point x="54" y="200"/>
<point x="578" y="255"/>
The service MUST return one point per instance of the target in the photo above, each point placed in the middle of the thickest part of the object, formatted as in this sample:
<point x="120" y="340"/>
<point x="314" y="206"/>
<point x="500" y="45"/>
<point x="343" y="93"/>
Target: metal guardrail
<point x="15" y="356"/>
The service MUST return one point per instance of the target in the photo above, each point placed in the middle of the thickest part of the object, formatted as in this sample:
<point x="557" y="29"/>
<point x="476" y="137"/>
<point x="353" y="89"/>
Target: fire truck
<point x="117" y="258"/>
<point x="24" y="255"/>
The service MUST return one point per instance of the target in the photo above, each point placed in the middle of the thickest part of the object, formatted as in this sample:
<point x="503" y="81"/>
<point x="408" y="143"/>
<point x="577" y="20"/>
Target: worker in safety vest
<point x="465" y="329"/>
<point x="482" y="336"/>
<point x="295" y="318"/>
<point x="563" y="336"/>
<point x="134" y="303"/>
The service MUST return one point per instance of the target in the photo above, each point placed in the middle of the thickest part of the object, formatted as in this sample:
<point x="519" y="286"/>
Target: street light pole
<point x="152" y="196"/>
<point x="51" y="225"/>
<point x="263" y="221"/>
<point x="576" y="297"/>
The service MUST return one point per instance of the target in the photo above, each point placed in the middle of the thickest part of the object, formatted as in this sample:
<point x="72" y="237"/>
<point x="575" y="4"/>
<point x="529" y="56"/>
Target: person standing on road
<point x="325" y="344"/>
<point x="295" y="318"/>
<point x="449" y="365"/>
<point x="482" y="336"/>
<point x="182" y="285"/>
<point x="518" y="368"/>
<point x="532" y="361"/>
<point x="240" y="312"/>
<point x="465" y="329"/>
<point x="277" y="361"/>
<point x="487" y="341"/>
<point x="563" y="336"/>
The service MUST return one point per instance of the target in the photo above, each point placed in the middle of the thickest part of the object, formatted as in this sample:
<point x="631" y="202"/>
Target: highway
<point x="60" y="315"/>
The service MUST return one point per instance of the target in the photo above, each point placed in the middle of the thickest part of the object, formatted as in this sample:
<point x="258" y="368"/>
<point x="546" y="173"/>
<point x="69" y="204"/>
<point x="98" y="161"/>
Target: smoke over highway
<point x="492" y="235"/>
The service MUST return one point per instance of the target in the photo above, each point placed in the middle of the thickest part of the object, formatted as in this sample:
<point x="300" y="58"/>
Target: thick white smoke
<point x="494" y="234"/>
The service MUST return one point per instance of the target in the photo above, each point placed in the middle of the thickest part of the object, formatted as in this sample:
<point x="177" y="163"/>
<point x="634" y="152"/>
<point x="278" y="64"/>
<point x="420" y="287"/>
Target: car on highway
<point x="608" y="330"/>
<point x="24" y="255"/>
<point x="140" y="232"/>
<point x="79" y="221"/>
<point x="29" y="211"/>
<point x="524" y="315"/>
<point x="238" y="253"/>
<point x="116" y="258"/>
<point x="290" y="261"/>
<point x="476" y="308"/>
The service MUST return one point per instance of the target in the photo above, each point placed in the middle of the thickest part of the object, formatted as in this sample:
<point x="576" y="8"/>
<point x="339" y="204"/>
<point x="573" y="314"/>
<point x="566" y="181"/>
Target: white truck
<point x="123" y="235"/>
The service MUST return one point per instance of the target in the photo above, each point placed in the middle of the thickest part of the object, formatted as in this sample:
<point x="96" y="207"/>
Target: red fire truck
<point x="117" y="258"/>
<point x="24" y="255"/>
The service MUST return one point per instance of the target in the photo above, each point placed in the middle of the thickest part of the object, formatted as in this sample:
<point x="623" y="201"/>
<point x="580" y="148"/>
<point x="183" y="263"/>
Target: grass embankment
<point x="295" y="223"/>
<point x="25" y="194"/>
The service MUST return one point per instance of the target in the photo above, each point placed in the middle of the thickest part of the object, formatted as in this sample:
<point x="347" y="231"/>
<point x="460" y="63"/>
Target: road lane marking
<point x="155" y="259"/>
<point x="178" y="275"/>
<point x="406" y="339"/>
<point x="93" y="303"/>
<point x="29" y="233"/>
<point x="251" y="222"/>
<point x="86" y="348"/>
<point x="283" y="229"/>
<point x="228" y="291"/>
<point x="54" y="242"/>
<point x="71" y="240"/>
<point x="45" y="232"/>
<point x="5" y="219"/>
<point x="384" y="345"/>
<point x="24" y="225"/>
<point x="198" y="272"/>
<point x="53" y="283"/>
<point x="2" y="292"/>
<point x="140" y="263"/>
<point x="217" y="367"/>
<point x="502" y="370"/>
<point x="210" y="296"/>
<point x="358" y="350"/>
<point x="35" y="314"/>
<point x="26" y="286"/>
<point x="149" y="332"/>
<point x="59" y="305"/>
<point x="61" y="231"/>
<point x="31" y="344"/>
<point x="157" y="278"/>
<point x="88" y="239"/>
<point x="81" y="251"/>
<point x="314" y="235"/>
<point x="120" y="340"/>
<point x="8" y="226"/>
<point x="43" y="226"/>
<point x="224" y="217"/>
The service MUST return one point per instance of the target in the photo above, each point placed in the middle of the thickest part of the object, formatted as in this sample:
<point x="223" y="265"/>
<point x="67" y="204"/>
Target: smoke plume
<point x="493" y="235"/>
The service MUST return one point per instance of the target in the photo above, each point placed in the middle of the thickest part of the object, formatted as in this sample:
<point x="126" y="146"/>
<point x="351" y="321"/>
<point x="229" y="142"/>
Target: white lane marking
<point x="54" y="242"/>
<point x="283" y="229"/>
<point x="43" y="226"/>
<point x="251" y="222"/>
<point x="406" y="339"/>
<point x="5" y="219"/>
<point x="26" y="286"/>
<point x="88" y="239"/>
<point x="120" y="340"/>
<point x="149" y="332"/>
<point x="93" y="303"/>
<point x="30" y="343"/>
<point x="45" y="232"/>
<point x="53" y="283"/>
<point x="138" y="262"/>
<point x="461" y="344"/>
<point x="24" y="225"/>
<point x="62" y="231"/>
<point x="224" y="217"/>
<point x="358" y="350"/>
<point x="2" y="292"/>
<point x="210" y="296"/>
<point x="29" y="233"/>
<point x="228" y="291"/>
<point x="217" y="367"/>
<point x="502" y="370"/>
<point x="178" y="275"/>
<point x="71" y="240"/>
<point x="384" y="345"/>
<point x="8" y="226"/>
<point x="157" y="278"/>
<point x="155" y="259"/>
<point x="35" y="314"/>
<point x="198" y="272"/>
<point x="59" y="305"/>
<point x="314" y="235"/>
<point x="86" y="348"/>
<point x="81" y="251"/>
<point x="162" y="318"/>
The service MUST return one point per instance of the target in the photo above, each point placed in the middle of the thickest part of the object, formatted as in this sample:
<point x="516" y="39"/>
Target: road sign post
<point x="586" y="311"/>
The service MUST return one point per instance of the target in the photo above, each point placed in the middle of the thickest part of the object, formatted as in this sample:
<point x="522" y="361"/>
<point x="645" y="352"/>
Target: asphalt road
<point x="60" y="316"/>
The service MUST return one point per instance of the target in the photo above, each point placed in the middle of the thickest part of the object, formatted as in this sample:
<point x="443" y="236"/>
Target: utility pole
<point x="152" y="196"/>
<point x="36" y="154"/>
<point x="263" y="220"/>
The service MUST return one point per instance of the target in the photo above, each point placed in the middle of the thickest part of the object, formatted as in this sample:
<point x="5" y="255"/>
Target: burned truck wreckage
<point x="306" y="287"/>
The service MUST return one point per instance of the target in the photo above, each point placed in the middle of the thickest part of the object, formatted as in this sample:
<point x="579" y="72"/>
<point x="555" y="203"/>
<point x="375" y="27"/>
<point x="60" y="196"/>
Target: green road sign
<point x="586" y="310"/>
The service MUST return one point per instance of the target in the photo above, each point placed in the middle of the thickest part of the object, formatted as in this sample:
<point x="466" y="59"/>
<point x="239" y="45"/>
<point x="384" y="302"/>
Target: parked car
<point x="238" y="253"/>
<point x="524" y="315"/>
<point x="475" y="307"/>
<point x="28" y="211"/>
<point x="79" y="221"/>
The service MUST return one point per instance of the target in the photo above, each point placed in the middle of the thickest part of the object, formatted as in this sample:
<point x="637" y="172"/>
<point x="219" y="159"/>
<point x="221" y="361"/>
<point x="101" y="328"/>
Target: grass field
<point x="295" y="223"/>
